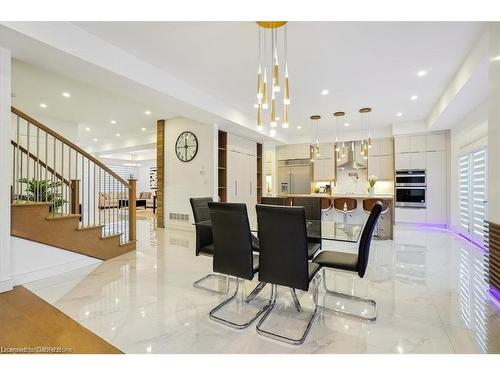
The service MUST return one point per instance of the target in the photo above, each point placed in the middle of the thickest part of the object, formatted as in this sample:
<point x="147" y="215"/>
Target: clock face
<point x="186" y="146"/>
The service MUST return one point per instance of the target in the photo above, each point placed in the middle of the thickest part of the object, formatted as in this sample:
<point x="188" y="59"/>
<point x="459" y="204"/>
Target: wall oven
<point x="411" y="188"/>
<point x="411" y="177"/>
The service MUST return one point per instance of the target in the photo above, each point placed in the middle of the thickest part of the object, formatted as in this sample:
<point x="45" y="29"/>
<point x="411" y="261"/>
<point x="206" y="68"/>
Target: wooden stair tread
<point x="111" y="236"/>
<point x="28" y="204"/>
<point x="90" y="227"/>
<point x="62" y="217"/>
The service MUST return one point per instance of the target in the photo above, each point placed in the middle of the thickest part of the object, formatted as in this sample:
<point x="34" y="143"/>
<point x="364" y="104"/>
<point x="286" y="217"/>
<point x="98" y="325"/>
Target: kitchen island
<point x="386" y="221"/>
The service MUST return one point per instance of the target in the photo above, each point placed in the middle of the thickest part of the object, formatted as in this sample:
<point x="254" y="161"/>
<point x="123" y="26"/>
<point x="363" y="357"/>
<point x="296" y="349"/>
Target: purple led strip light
<point x="494" y="296"/>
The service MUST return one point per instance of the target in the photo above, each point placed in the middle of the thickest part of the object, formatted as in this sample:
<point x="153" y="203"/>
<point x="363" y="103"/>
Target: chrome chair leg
<point x="255" y="292"/>
<point x="295" y="299"/>
<point x="228" y="323"/>
<point x="350" y="297"/>
<point x="197" y="283"/>
<point x="282" y="338"/>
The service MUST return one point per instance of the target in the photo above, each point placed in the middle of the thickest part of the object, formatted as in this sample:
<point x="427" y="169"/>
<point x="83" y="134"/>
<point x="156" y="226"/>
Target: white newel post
<point x="5" y="170"/>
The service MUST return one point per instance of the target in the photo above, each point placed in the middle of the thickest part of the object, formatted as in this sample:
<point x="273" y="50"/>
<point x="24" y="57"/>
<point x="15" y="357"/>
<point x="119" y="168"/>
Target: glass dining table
<point x="319" y="229"/>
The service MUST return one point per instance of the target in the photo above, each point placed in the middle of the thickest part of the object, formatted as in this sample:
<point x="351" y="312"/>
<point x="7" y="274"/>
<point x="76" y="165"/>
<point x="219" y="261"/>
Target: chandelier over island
<point x="272" y="52"/>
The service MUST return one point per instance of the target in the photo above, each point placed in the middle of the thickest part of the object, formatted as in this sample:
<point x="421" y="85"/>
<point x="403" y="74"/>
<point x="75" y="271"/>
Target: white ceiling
<point x="89" y="107"/>
<point x="361" y="63"/>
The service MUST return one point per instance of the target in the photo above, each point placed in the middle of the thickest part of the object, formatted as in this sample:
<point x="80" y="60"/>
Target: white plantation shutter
<point x="478" y="193"/>
<point x="463" y="193"/>
<point x="472" y="193"/>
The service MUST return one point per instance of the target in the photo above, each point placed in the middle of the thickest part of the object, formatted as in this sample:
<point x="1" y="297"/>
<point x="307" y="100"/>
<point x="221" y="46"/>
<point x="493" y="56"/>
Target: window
<point x="106" y="183"/>
<point x="472" y="194"/>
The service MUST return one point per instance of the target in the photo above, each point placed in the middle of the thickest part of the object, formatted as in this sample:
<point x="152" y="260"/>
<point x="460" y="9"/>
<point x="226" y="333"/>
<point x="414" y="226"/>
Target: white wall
<point x="469" y="134"/>
<point x="5" y="168"/>
<point x="494" y="125"/>
<point x="33" y="261"/>
<point x="143" y="175"/>
<point x="192" y="179"/>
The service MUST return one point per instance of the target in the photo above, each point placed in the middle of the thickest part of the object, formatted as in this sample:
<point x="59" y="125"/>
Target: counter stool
<point x="345" y="206"/>
<point x="368" y="204"/>
<point x="275" y="201"/>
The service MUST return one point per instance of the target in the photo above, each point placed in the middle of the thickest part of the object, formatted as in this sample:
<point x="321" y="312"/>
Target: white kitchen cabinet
<point x="323" y="169"/>
<point x="402" y="161"/>
<point x="297" y="151"/>
<point x="401" y="144"/>
<point x="435" y="142"/>
<point x="417" y="143"/>
<point x="242" y="172"/>
<point x="417" y="160"/>
<point x="381" y="166"/>
<point x="411" y="215"/>
<point x="436" y="187"/>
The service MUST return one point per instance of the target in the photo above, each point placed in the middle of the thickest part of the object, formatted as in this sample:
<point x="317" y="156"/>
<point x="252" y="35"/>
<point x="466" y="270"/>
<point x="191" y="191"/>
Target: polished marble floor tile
<point x="428" y="284"/>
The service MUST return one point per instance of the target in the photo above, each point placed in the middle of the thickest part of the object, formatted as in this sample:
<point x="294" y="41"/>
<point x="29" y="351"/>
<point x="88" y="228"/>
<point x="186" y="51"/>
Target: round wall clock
<point x="186" y="146"/>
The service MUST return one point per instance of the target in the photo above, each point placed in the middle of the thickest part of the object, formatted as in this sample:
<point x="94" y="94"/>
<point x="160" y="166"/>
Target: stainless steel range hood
<point x="351" y="162"/>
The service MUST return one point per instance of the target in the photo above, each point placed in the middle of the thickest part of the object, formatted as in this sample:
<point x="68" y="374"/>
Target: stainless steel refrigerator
<point x="294" y="176"/>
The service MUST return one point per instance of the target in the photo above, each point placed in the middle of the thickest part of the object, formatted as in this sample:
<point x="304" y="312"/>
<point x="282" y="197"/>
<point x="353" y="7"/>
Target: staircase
<point x="64" y="197"/>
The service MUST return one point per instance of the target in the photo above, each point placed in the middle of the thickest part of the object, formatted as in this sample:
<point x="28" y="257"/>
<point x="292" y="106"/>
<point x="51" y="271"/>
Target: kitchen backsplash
<point x="356" y="181"/>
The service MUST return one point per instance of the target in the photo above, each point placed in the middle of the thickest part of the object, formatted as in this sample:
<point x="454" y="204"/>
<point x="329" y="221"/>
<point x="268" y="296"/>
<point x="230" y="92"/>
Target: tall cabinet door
<point x="436" y="187"/>
<point x="233" y="169"/>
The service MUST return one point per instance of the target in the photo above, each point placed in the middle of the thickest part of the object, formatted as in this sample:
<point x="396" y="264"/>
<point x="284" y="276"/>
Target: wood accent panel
<point x="31" y="221"/>
<point x="27" y="321"/>
<point x="259" y="172"/>
<point x="492" y="242"/>
<point x="222" y="166"/>
<point x="132" y="222"/>
<point x="160" y="173"/>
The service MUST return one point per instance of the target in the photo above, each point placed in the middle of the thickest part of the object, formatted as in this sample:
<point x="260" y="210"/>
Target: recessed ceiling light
<point x="422" y="73"/>
<point x="324" y="92"/>
<point x="143" y="129"/>
<point x="299" y="127"/>
<point x="414" y="97"/>
<point x="66" y="94"/>
<point x="399" y="114"/>
<point x="87" y="129"/>
<point x="95" y="139"/>
<point x="117" y="134"/>
<point x="346" y="124"/>
<point x="43" y="105"/>
<point x="113" y="122"/>
<point x="147" y="112"/>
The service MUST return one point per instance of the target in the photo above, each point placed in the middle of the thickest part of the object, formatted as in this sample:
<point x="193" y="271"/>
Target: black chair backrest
<point x="200" y="213"/>
<point x="200" y="208"/>
<point x="312" y="206"/>
<point x="232" y="239"/>
<point x="283" y="246"/>
<point x="366" y="238"/>
<point x="276" y="201"/>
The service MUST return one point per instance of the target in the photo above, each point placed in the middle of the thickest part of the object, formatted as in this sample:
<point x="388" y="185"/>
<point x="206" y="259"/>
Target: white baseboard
<point x="6" y="285"/>
<point x="178" y="226"/>
<point x="28" y="277"/>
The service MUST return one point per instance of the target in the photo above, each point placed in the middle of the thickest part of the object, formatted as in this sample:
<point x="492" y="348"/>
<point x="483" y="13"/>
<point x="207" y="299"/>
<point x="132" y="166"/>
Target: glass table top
<point x="330" y="230"/>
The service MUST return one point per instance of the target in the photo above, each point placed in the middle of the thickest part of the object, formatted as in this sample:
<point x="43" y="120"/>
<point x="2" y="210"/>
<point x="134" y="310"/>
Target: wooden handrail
<point x="50" y="169"/>
<point x="67" y="142"/>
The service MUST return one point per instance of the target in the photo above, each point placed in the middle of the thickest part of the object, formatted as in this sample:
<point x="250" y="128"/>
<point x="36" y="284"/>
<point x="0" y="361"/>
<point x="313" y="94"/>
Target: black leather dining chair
<point x="312" y="207"/>
<point x="233" y="253"/>
<point x="276" y="201"/>
<point x="204" y="239"/>
<point x="352" y="263"/>
<point x="283" y="259"/>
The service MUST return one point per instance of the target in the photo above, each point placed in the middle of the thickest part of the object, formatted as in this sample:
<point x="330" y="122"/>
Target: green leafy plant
<point x="372" y="180"/>
<point x="42" y="191"/>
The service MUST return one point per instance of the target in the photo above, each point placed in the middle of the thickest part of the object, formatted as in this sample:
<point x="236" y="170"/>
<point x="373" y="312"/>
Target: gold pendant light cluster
<point x="269" y="61"/>
<point x="365" y="122"/>
<point x="314" y="148"/>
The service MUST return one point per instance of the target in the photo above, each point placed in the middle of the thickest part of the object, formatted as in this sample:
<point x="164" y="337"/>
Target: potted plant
<point x="42" y="191"/>
<point x="372" y="180"/>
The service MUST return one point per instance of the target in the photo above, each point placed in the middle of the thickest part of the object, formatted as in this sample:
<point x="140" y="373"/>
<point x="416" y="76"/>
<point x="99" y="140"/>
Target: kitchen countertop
<point x="338" y="195"/>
